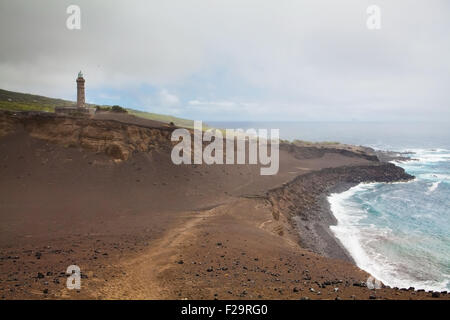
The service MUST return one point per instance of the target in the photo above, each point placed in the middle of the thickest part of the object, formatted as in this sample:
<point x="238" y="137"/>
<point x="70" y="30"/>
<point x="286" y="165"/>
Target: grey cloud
<point x="314" y="59"/>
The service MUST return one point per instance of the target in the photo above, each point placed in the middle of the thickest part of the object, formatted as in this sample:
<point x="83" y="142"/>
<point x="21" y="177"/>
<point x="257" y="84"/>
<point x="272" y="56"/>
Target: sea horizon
<point x="386" y="135"/>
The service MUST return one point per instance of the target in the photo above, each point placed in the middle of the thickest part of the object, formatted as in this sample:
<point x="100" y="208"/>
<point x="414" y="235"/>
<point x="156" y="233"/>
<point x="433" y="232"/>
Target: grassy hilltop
<point x="17" y="101"/>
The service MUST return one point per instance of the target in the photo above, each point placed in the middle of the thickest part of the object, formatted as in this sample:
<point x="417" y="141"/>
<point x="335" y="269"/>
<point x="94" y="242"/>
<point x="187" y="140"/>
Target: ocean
<point x="398" y="232"/>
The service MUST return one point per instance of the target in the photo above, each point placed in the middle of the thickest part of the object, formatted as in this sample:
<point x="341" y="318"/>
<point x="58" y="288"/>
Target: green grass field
<point x="16" y="101"/>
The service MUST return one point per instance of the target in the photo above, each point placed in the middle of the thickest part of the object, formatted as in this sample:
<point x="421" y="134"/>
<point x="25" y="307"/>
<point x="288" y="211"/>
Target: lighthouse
<point x="80" y="109"/>
<point x="80" y="91"/>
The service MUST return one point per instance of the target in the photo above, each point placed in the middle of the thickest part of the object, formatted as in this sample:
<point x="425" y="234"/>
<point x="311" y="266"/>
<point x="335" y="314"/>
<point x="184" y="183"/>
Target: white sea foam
<point x="435" y="176"/>
<point x="371" y="245"/>
<point x="426" y="155"/>
<point x="361" y="242"/>
<point x="433" y="187"/>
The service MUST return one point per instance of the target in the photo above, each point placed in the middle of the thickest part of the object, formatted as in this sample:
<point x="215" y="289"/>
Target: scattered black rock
<point x="435" y="294"/>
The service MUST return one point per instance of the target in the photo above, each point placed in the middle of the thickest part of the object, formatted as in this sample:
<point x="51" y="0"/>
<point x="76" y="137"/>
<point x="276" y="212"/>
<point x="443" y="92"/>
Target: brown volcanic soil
<point x="145" y="228"/>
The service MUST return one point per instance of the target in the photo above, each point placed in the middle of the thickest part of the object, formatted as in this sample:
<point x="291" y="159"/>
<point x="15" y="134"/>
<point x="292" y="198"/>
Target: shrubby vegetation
<point x="309" y="143"/>
<point x="102" y="108"/>
<point x="119" y="109"/>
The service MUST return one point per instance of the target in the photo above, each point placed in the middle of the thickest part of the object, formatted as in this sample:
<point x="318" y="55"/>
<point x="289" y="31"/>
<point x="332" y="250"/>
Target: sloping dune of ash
<point x="103" y="194"/>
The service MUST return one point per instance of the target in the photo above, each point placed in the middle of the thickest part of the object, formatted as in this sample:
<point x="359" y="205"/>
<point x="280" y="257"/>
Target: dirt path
<point x="140" y="275"/>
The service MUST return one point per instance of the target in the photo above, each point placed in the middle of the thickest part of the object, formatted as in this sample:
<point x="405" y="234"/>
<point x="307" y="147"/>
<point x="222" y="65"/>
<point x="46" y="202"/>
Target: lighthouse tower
<point x="80" y="91"/>
<point x="80" y="109"/>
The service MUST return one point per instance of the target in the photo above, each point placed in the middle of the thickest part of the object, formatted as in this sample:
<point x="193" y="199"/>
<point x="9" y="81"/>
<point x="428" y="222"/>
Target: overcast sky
<point x="236" y="60"/>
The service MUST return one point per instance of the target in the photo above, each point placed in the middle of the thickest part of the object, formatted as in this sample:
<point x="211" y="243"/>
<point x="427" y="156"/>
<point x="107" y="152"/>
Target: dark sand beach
<point x="103" y="194"/>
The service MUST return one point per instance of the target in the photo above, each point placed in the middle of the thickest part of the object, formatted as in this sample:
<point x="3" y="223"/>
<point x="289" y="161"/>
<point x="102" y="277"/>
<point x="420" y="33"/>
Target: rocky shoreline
<point x="303" y="202"/>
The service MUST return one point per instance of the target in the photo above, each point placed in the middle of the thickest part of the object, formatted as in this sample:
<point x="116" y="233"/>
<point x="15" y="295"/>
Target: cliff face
<point x="7" y="123"/>
<point x="302" y="202"/>
<point x="120" y="139"/>
<point x="305" y="152"/>
<point x="116" y="139"/>
<point x="299" y="196"/>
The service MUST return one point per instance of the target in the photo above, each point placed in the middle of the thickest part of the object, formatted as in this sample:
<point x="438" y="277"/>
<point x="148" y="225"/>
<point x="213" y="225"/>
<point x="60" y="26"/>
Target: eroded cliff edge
<point x="302" y="203"/>
<point x="114" y="138"/>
